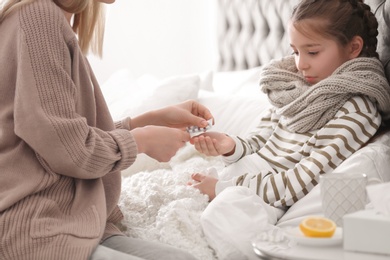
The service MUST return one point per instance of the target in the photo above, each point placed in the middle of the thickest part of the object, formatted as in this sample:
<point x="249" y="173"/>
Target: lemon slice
<point x="317" y="227"/>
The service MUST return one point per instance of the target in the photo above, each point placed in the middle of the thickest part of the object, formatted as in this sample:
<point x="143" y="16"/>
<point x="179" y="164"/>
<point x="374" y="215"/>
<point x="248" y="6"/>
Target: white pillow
<point x="126" y="96"/>
<point x="241" y="82"/>
<point x="168" y="92"/>
<point x="116" y="89"/>
<point x="206" y="80"/>
<point x="234" y="114"/>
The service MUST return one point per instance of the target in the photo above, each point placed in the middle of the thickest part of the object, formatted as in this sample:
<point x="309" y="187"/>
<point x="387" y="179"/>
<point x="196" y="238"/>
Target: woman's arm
<point x="47" y="101"/>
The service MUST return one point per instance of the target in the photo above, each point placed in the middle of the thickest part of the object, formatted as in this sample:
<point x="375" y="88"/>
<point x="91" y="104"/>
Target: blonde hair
<point x="88" y="20"/>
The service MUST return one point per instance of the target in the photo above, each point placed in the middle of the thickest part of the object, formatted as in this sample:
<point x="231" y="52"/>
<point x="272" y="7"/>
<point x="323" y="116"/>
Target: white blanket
<point x="158" y="205"/>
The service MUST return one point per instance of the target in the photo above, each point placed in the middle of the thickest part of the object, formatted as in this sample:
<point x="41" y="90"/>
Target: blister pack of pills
<point x="195" y="130"/>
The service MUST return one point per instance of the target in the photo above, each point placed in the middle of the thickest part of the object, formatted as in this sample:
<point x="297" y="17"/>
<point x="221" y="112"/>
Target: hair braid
<point x="371" y="26"/>
<point x="369" y="31"/>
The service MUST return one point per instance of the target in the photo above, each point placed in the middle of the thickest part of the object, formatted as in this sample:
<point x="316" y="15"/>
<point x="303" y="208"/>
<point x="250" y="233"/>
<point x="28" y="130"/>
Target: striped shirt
<point x="297" y="160"/>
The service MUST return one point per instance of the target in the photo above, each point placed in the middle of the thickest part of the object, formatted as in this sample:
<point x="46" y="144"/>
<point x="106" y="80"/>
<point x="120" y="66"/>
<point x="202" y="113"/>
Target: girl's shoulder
<point x="358" y="104"/>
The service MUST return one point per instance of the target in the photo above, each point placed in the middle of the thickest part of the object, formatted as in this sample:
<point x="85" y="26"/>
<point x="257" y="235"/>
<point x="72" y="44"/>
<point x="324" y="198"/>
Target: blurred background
<point x="164" y="38"/>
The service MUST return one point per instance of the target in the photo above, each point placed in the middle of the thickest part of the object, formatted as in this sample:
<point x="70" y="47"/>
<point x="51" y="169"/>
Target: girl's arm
<point x="256" y="139"/>
<point x="351" y="129"/>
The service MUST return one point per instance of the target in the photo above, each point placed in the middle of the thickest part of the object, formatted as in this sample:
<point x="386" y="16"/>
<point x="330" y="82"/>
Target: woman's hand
<point x="185" y="114"/>
<point x="214" y="144"/>
<point x="205" y="184"/>
<point x="160" y="143"/>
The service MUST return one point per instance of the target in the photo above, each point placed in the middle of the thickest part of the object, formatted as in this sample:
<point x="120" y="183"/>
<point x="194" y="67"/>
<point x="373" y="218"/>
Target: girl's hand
<point x="214" y="144"/>
<point x="205" y="184"/>
<point x="160" y="143"/>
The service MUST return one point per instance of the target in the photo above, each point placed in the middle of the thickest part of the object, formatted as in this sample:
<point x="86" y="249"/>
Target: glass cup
<point x="342" y="194"/>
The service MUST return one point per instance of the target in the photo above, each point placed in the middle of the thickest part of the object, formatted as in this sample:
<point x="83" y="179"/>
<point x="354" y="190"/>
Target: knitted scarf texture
<point x="309" y="107"/>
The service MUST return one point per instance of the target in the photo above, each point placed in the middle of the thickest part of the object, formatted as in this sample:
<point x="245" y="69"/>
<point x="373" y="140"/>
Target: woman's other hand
<point x="185" y="114"/>
<point x="158" y="142"/>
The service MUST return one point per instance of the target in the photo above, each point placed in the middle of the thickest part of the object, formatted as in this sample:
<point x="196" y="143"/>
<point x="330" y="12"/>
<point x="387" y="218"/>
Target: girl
<point x="60" y="152"/>
<point x="328" y="100"/>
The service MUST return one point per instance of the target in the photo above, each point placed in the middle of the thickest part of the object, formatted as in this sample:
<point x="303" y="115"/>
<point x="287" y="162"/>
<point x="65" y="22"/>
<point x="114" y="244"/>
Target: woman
<point x="60" y="152"/>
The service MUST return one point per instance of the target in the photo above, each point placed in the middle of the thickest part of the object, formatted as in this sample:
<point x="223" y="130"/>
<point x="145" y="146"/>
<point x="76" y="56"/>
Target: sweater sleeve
<point x="352" y="128"/>
<point x="124" y="124"/>
<point x="46" y="102"/>
<point x="256" y="138"/>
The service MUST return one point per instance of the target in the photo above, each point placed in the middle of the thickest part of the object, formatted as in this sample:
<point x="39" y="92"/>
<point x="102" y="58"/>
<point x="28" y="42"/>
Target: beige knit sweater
<point x="60" y="152"/>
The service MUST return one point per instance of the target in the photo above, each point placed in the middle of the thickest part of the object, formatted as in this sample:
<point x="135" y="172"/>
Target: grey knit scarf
<point x="307" y="107"/>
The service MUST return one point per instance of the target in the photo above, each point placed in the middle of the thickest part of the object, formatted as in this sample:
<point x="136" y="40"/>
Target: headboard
<point x="252" y="32"/>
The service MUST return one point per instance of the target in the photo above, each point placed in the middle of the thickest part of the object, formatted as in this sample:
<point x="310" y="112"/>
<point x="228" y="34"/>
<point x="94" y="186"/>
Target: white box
<point x="366" y="231"/>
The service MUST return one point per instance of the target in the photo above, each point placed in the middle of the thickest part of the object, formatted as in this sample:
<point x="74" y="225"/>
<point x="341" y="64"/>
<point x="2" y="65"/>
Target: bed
<point x="156" y="202"/>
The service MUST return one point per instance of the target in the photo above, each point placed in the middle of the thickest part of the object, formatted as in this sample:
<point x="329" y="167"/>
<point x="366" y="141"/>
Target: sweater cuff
<point x="124" y="124"/>
<point x="127" y="148"/>
<point x="238" y="152"/>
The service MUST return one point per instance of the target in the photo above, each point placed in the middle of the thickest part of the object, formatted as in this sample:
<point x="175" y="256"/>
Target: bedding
<point x="156" y="201"/>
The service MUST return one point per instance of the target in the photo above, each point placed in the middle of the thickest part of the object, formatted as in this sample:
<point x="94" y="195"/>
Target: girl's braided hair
<point x="339" y="19"/>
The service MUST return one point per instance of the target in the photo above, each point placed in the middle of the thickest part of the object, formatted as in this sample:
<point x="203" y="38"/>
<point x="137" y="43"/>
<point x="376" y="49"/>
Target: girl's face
<point x="316" y="57"/>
